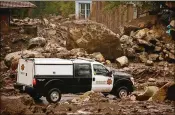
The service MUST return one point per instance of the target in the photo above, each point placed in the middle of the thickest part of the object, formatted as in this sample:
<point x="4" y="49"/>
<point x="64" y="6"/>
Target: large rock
<point x="17" y="55"/>
<point x="93" y="37"/>
<point x="147" y="94"/>
<point x="123" y="61"/>
<point x="98" y="56"/>
<point x="141" y="33"/>
<point x="161" y="94"/>
<point x="38" y="41"/>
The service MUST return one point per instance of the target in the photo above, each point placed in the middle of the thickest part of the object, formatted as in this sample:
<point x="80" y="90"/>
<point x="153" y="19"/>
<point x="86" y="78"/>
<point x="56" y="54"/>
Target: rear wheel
<point x="122" y="92"/>
<point x="53" y="95"/>
<point x="35" y="96"/>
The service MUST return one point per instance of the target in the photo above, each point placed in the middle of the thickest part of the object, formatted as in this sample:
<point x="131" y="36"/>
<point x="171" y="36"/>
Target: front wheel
<point x="122" y="92"/>
<point x="54" y="95"/>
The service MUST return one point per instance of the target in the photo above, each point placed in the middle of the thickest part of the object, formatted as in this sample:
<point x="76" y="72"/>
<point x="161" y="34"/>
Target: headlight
<point x="132" y="79"/>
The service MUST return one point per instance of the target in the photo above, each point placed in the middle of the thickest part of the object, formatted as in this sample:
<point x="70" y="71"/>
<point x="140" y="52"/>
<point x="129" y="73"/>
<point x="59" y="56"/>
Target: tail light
<point x="34" y="81"/>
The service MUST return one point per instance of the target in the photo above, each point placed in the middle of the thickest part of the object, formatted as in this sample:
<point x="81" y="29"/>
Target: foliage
<point x="110" y="5"/>
<point x="44" y="8"/>
<point x="146" y="5"/>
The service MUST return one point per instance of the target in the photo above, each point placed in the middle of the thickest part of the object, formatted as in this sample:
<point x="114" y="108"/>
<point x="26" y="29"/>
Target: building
<point x="5" y="10"/>
<point x="83" y="9"/>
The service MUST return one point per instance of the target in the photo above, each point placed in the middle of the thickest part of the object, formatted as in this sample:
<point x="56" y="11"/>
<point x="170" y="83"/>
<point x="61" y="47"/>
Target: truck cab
<point x="51" y="77"/>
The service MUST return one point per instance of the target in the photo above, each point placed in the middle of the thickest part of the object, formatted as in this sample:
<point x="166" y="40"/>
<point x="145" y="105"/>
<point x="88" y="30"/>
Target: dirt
<point x="25" y="105"/>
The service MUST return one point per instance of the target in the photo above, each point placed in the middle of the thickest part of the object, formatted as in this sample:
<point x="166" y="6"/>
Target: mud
<point x="95" y="105"/>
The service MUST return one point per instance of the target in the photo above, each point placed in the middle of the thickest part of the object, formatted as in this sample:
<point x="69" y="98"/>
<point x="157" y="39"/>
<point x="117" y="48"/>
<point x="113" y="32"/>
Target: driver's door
<point x="101" y="81"/>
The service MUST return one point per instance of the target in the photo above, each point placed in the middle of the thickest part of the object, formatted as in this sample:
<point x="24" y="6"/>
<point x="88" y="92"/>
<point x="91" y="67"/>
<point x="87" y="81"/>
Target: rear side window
<point x="83" y="70"/>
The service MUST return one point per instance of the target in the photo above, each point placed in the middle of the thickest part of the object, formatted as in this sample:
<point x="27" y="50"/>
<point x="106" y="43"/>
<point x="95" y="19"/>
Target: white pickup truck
<point x="51" y="77"/>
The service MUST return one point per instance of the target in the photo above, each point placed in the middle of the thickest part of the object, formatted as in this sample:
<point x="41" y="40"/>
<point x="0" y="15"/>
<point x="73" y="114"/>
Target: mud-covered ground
<point x="97" y="104"/>
<point x="13" y="102"/>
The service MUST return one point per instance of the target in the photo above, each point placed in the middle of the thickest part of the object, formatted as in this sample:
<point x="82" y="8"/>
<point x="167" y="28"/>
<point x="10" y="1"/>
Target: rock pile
<point x="148" y="46"/>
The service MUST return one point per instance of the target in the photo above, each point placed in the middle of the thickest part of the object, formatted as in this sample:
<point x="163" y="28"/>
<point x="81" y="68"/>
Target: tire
<point x="105" y="94"/>
<point x="35" y="96"/>
<point x="53" y="95"/>
<point x="122" y="92"/>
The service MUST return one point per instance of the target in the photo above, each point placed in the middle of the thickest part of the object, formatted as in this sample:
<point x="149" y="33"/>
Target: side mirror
<point x="110" y="74"/>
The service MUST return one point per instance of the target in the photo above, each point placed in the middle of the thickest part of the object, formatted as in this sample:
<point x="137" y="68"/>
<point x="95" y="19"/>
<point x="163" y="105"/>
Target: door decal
<point x="109" y="81"/>
<point x="22" y="67"/>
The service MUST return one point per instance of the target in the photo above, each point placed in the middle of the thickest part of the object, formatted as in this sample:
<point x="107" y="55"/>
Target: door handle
<point x="93" y="79"/>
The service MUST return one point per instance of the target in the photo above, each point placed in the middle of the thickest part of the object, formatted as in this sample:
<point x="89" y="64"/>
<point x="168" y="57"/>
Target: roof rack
<point x="82" y="58"/>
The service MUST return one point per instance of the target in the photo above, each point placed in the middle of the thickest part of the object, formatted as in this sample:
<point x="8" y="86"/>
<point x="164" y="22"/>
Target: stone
<point x="126" y="30"/>
<point x="108" y="62"/>
<point x="38" y="41"/>
<point x="153" y="57"/>
<point x="124" y="39"/>
<point x="51" y="47"/>
<point x="3" y="67"/>
<point x="151" y="80"/>
<point x="147" y="94"/>
<point x="145" y="44"/>
<point x="98" y="56"/>
<point x="123" y="61"/>
<point x="130" y="52"/>
<point x="141" y="33"/>
<point x="46" y="22"/>
<point x="71" y="16"/>
<point x="78" y="50"/>
<point x="153" y="34"/>
<point x="161" y="94"/>
<point x="51" y="32"/>
<point x="143" y="57"/>
<point x="53" y="26"/>
<point x="17" y="55"/>
<point x="157" y="49"/>
<point x="93" y="37"/>
<point x="171" y="56"/>
<point x="149" y="63"/>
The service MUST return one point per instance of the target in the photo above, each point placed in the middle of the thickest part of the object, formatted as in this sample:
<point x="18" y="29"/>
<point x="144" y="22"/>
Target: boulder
<point x="122" y="61"/>
<point x="38" y="41"/>
<point x="126" y="30"/>
<point x="98" y="56"/>
<point x="141" y="33"/>
<point x="124" y="39"/>
<point x="161" y="94"/>
<point x="17" y="55"/>
<point x="149" y="91"/>
<point x="130" y="52"/>
<point x="93" y="37"/>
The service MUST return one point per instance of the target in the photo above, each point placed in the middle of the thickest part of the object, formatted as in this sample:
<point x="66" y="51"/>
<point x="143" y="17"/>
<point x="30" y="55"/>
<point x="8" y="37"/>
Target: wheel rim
<point x="54" y="96"/>
<point x="123" y="93"/>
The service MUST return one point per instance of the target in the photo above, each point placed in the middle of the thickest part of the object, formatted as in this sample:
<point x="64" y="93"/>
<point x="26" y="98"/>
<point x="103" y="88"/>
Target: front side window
<point x="82" y="70"/>
<point x="100" y="70"/>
